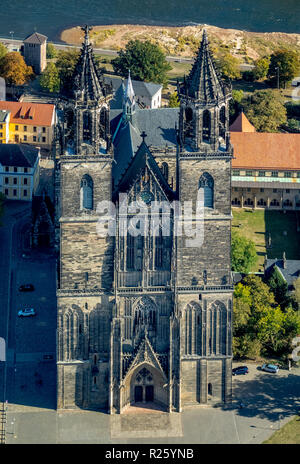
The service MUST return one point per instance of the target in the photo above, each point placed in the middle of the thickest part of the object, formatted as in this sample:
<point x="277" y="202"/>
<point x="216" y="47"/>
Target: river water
<point x="19" y="18"/>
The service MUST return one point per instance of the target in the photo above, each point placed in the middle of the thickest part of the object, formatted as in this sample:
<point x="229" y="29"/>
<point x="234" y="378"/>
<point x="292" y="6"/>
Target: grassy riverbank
<point x="184" y="41"/>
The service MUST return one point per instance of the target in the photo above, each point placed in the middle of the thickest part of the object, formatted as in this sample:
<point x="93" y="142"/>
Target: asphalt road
<point x="105" y="51"/>
<point x="31" y="338"/>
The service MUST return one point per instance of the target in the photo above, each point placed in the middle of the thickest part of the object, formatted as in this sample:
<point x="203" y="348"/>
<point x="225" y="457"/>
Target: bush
<point x="248" y="76"/>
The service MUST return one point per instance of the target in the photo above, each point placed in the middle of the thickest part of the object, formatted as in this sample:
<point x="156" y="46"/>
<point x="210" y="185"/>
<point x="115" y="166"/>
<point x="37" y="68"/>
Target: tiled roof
<point x="12" y="154"/>
<point x="35" y="38"/>
<point x="259" y="150"/>
<point x="35" y="114"/>
<point x="241" y="124"/>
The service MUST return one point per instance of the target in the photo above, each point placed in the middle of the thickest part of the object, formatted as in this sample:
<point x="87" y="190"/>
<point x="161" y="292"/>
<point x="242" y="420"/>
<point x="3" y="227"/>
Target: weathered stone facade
<point x="144" y="318"/>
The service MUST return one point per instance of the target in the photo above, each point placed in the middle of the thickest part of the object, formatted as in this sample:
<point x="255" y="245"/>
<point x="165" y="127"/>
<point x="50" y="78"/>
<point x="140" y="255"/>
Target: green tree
<point x="261" y="68"/>
<point x="279" y="287"/>
<point x="65" y="63"/>
<point x="49" y="80"/>
<point x="265" y="110"/>
<point x="271" y="329"/>
<point x="14" y="69"/>
<point x="3" y="50"/>
<point x="241" y="307"/>
<point x="235" y="104"/>
<point x="243" y="253"/>
<point x="260" y="293"/>
<point x="287" y="63"/>
<point x="228" y="66"/>
<point x="173" y="100"/>
<point x="51" y="51"/>
<point x="291" y="328"/>
<point x="246" y="346"/>
<point x="296" y="293"/>
<point x="145" y="60"/>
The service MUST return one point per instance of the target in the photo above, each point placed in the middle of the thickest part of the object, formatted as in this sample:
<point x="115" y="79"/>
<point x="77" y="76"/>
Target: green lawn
<point x="179" y="69"/>
<point x="289" y="434"/>
<point x="282" y="227"/>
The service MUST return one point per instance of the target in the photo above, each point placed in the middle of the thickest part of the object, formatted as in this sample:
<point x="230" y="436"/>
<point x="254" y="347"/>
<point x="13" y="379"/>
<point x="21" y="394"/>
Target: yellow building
<point x="31" y="123"/>
<point x="4" y="126"/>
<point x="19" y="171"/>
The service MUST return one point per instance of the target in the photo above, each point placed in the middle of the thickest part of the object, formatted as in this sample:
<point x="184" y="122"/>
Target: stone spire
<point x="129" y="100"/>
<point x="87" y="80"/>
<point x="203" y="82"/>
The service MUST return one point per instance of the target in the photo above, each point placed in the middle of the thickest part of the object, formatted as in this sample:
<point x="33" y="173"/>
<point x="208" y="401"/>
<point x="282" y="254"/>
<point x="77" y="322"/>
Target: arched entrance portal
<point x="143" y="387"/>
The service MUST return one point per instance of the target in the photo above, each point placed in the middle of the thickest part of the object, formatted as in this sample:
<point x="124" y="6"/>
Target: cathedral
<point x="147" y="317"/>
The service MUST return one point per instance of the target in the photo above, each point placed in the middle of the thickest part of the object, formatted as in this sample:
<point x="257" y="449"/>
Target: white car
<point x="26" y="312"/>
<point x="270" y="368"/>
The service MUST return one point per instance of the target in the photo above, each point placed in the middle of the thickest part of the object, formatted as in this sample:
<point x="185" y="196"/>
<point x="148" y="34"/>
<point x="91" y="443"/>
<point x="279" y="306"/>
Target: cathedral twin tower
<point x="143" y="318"/>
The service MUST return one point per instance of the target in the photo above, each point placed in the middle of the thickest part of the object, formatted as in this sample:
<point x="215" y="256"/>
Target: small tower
<point x="129" y="100"/>
<point x="204" y="109"/>
<point x="88" y="114"/>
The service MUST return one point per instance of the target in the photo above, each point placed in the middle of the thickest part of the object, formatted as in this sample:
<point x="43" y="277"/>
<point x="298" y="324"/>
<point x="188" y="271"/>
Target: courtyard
<point x="281" y="226"/>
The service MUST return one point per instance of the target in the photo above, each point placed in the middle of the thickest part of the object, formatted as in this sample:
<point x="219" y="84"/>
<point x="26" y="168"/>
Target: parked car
<point x="240" y="370"/>
<point x="26" y="312"/>
<point x="26" y="288"/>
<point x="270" y="368"/>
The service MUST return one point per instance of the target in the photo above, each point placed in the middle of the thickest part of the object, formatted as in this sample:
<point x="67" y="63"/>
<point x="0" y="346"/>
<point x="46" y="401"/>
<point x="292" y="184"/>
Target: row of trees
<point x="279" y="68"/>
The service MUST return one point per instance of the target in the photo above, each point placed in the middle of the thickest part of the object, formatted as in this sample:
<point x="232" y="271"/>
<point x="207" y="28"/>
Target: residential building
<point x="143" y="318"/>
<point x="35" y="52"/>
<point x="19" y="171"/>
<point x="147" y="94"/>
<point x="4" y="126"/>
<point x="288" y="268"/>
<point x="31" y="123"/>
<point x="266" y="168"/>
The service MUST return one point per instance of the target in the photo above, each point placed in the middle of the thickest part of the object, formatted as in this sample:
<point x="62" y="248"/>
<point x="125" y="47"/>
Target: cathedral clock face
<point x="146" y="196"/>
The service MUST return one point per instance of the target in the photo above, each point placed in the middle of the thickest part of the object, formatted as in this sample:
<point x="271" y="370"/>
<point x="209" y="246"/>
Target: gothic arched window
<point x="130" y="251"/>
<point x="165" y="171"/>
<point x="206" y="125"/>
<point x="188" y="116"/>
<point x="159" y="250"/>
<point x="86" y="192"/>
<point x="103" y="122"/>
<point x="206" y="183"/>
<point x="87" y="126"/>
<point x="222" y="122"/>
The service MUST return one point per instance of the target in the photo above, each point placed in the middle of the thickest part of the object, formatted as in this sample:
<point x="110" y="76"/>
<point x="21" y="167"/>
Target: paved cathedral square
<point x="143" y="318"/>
